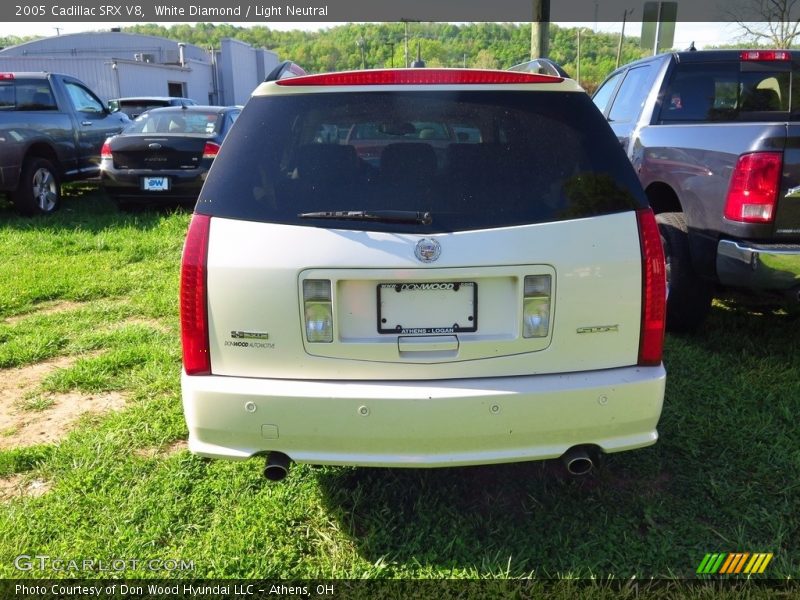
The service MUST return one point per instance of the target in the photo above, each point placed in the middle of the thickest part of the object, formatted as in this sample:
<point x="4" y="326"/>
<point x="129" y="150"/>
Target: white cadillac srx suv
<point x="421" y="268"/>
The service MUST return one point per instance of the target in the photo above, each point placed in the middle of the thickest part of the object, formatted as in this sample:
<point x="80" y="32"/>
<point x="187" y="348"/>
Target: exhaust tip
<point x="277" y="467"/>
<point x="578" y="461"/>
<point x="580" y="466"/>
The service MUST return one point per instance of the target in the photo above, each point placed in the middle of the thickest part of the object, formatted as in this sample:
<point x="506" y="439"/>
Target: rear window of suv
<point x="473" y="160"/>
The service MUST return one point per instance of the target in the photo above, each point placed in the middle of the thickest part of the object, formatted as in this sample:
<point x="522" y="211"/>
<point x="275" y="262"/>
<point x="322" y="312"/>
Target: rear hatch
<point x="503" y="254"/>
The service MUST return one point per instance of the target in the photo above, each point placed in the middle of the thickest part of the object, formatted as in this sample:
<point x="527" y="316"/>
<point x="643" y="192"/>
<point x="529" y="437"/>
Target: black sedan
<point x="164" y="155"/>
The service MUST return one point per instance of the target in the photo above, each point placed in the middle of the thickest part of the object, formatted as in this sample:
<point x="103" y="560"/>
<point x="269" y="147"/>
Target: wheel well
<point x="662" y="198"/>
<point x="41" y="150"/>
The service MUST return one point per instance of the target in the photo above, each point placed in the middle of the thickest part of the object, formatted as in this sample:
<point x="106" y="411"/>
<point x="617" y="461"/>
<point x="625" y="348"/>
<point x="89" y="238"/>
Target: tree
<point x="772" y="22"/>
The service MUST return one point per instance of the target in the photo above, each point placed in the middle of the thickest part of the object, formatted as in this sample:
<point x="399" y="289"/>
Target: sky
<point x="702" y="34"/>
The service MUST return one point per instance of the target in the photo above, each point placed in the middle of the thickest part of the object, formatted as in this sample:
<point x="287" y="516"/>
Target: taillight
<point x="194" y="308"/>
<point x="420" y="77"/>
<point x="748" y="55"/>
<point x="754" y="187"/>
<point x="654" y="290"/>
<point x="6" y="76"/>
<point x="210" y="150"/>
<point x="105" y="151"/>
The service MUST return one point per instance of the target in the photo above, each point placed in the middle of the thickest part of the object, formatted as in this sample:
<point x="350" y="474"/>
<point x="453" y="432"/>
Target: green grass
<point x="724" y="477"/>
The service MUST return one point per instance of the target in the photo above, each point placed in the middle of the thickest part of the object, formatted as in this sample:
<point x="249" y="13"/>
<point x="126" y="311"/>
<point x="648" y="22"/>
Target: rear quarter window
<point x="473" y="160"/>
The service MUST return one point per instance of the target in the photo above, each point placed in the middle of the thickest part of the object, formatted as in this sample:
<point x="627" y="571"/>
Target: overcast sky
<point x="702" y="34"/>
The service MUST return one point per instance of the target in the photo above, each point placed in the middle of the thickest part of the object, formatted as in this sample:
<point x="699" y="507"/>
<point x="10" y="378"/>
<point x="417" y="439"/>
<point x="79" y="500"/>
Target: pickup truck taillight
<point x="654" y="290"/>
<point x="754" y="187"/>
<point x="105" y="151"/>
<point x="194" y="308"/>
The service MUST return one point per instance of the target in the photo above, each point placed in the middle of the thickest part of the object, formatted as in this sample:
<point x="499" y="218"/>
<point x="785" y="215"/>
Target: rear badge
<point x="255" y="339"/>
<point x="427" y="250"/>
<point x="599" y="329"/>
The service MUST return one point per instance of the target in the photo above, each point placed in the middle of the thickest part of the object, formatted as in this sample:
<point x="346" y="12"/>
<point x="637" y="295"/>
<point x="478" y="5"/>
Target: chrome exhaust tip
<point x="578" y="461"/>
<point x="277" y="467"/>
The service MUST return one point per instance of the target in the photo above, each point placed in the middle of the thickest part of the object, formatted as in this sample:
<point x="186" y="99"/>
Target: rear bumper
<point x="127" y="185"/>
<point x="758" y="267"/>
<point x="423" y="423"/>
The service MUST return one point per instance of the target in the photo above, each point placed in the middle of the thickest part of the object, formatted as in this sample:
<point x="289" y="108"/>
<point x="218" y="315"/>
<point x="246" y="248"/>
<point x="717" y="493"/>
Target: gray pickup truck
<point x="715" y="139"/>
<point x="51" y="130"/>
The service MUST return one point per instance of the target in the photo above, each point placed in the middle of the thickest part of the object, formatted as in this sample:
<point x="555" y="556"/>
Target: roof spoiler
<point x="285" y="70"/>
<point x="541" y="66"/>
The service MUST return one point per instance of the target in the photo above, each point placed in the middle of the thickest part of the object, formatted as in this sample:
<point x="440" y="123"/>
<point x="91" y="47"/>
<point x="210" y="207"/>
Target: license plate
<point x="155" y="184"/>
<point x="428" y="308"/>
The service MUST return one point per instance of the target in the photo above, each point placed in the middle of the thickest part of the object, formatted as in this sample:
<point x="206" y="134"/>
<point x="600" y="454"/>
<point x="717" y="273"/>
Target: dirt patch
<point x="18" y="486"/>
<point x="162" y="451"/>
<point x="20" y="427"/>
<point x="49" y="308"/>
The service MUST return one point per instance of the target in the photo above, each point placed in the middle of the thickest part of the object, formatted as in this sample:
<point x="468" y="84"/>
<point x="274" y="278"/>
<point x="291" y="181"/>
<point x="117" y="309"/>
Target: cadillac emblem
<point x="427" y="250"/>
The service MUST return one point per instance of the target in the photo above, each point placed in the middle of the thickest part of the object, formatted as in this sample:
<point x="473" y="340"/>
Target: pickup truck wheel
<point x="39" y="190"/>
<point x="689" y="296"/>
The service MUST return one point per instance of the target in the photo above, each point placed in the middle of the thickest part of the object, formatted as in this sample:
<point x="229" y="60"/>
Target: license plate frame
<point x="156" y="184"/>
<point x="420" y="297"/>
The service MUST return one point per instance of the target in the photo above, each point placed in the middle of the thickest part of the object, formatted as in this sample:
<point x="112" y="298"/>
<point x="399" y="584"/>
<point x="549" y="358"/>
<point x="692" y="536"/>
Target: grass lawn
<point x="96" y="291"/>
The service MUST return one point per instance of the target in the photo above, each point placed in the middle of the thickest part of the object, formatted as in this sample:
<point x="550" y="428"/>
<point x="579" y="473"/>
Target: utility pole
<point x="578" y="77"/>
<point x="622" y="35"/>
<point x="391" y="55"/>
<point x="405" y="42"/>
<point x="360" y="43"/>
<point x="540" y="29"/>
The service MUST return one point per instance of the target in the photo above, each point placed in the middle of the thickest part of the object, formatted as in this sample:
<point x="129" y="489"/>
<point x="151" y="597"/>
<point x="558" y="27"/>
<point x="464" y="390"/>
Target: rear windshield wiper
<point x="383" y="216"/>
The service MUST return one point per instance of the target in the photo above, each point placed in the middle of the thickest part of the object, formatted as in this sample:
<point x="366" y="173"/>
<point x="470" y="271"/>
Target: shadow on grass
<point x="722" y="478"/>
<point x="85" y="206"/>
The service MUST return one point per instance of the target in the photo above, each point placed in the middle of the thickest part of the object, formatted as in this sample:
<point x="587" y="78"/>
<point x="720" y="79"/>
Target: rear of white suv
<point x="474" y="278"/>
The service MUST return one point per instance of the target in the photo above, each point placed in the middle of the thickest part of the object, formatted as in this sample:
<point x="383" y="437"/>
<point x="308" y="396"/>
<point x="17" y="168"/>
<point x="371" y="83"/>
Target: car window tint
<point x="603" y="95"/>
<point x="177" y="121"/>
<point x="7" y="101"/>
<point x="494" y="159"/>
<point x="82" y="99"/>
<point x="632" y="94"/>
<point x="724" y="91"/>
<point x="27" y="96"/>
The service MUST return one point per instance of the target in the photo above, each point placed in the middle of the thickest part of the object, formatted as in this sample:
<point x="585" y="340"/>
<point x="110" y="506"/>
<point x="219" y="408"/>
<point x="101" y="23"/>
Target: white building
<point x="116" y="64"/>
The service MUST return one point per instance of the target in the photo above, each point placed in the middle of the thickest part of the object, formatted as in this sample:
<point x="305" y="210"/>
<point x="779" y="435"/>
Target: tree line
<point x="377" y="45"/>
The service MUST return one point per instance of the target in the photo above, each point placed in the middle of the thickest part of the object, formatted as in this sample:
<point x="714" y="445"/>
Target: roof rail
<point x="542" y="66"/>
<point x="285" y="69"/>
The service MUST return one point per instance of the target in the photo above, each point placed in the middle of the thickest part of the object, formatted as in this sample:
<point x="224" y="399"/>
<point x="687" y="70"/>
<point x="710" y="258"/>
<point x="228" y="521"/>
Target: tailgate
<point x="787" y="215"/>
<point x="397" y="318"/>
